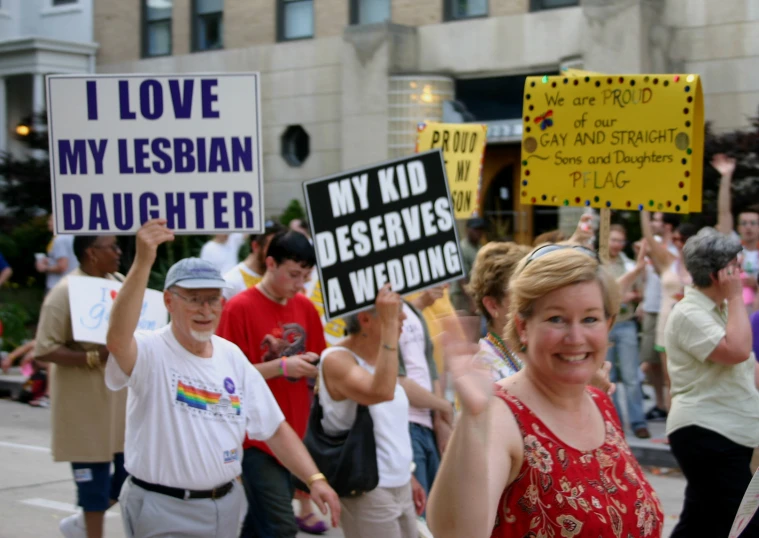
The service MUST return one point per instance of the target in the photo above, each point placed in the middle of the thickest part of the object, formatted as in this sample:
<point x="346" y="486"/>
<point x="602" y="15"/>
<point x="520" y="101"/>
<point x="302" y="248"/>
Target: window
<point x="156" y="30"/>
<point x="296" y="19"/>
<point x="538" y="5"/>
<point x="64" y="2"/>
<point x="295" y="145"/>
<point x="207" y="24"/>
<point x="369" y="11"/>
<point x="465" y="9"/>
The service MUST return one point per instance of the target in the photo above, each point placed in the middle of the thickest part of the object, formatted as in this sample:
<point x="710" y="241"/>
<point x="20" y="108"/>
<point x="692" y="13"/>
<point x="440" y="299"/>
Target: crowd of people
<point x="493" y="408"/>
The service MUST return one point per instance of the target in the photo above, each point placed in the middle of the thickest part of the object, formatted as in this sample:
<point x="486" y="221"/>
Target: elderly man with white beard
<point x="193" y="397"/>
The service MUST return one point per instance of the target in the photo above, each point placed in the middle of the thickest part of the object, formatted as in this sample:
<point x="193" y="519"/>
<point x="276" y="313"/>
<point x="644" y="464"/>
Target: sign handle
<point x="603" y="235"/>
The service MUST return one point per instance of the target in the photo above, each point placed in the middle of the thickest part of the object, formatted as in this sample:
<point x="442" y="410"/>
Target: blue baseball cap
<point x="194" y="274"/>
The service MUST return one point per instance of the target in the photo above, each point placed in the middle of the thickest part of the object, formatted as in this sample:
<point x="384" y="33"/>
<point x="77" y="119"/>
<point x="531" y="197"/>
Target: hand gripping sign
<point x="390" y="222"/>
<point x="613" y="141"/>
<point x="128" y="148"/>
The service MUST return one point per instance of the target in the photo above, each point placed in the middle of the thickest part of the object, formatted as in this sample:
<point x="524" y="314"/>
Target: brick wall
<point x="417" y="12"/>
<point x="249" y="22"/>
<point x="117" y="30"/>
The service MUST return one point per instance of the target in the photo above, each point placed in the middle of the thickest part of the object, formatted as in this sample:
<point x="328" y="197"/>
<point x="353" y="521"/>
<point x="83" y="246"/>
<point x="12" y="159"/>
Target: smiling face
<point x="567" y="334"/>
<point x="194" y="313"/>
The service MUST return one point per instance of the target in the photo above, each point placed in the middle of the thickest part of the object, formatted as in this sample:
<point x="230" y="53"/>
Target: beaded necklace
<point x="503" y="350"/>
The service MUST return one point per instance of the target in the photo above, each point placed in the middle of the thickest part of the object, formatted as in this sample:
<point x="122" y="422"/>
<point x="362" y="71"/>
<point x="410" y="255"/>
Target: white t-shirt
<point x="241" y="277"/>
<point x="391" y="434"/>
<point x="224" y="256"/>
<point x="411" y="345"/>
<point x="187" y="416"/>
<point x="62" y="247"/>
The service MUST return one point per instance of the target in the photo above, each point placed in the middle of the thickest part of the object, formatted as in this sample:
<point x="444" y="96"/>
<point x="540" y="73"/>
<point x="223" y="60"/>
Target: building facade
<point x="345" y="82"/>
<point x="38" y="38"/>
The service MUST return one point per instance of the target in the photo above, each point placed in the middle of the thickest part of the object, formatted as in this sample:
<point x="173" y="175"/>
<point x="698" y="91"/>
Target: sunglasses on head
<point x="547" y="249"/>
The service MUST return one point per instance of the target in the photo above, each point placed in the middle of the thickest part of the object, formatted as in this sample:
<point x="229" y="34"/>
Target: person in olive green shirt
<point x="470" y="245"/>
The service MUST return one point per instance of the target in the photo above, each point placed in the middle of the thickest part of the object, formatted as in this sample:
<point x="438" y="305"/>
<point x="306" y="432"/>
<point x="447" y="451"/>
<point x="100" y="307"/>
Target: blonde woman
<point x="545" y="454"/>
<point x="488" y="287"/>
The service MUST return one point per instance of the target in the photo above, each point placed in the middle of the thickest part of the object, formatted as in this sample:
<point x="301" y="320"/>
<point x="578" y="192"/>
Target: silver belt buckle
<point x="186" y="494"/>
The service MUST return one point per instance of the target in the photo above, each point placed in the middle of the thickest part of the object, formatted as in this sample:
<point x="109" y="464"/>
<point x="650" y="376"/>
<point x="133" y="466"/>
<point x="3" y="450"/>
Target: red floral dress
<point x="564" y="492"/>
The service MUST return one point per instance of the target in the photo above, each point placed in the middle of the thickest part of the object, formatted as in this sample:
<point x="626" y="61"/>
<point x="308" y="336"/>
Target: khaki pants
<point x="147" y="514"/>
<point x="381" y="513"/>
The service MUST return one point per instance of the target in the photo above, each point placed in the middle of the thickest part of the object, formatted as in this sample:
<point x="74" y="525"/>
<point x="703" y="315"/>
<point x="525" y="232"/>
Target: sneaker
<point x="73" y="526"/>
<point x="642" y="433"/>
<point x="656" y="414"/>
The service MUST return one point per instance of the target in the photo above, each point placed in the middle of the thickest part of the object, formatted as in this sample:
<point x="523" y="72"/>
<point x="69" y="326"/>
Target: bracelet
<point x="314" y="478"/>
<point x="93" y="358"/>
<point x="389" y="348"/>
<point x="283" y="366"/>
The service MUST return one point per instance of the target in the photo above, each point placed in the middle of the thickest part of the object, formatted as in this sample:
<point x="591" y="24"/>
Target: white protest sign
<point x="747" y="509"/>
<point x="128" y="148"/>
<point x="91" y="302"/>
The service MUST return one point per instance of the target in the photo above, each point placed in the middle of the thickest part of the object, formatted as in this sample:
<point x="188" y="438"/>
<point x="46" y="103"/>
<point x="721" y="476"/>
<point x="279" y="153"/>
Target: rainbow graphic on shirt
<point x="198" y="398"/>
<point x="235" y="401"/>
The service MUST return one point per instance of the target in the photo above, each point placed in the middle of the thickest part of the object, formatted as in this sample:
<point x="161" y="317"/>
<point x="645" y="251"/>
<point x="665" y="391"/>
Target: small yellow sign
<point x="463" y="146"/>
<point x="613" y="141"/>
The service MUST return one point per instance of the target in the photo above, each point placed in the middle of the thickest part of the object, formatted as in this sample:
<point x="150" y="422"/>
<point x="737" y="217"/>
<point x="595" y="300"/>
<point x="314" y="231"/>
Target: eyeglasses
<point x="547" y="249"/>
<point x="114" y="247"/>
<point x="196" y="303"/>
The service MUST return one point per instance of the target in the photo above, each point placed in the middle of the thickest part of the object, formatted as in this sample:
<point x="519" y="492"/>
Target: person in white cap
<point x="193" y="397"/>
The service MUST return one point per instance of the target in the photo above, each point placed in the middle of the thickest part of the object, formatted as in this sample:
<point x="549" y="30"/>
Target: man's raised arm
<point x="128" y="304"/>
<point x="726" y="167"/>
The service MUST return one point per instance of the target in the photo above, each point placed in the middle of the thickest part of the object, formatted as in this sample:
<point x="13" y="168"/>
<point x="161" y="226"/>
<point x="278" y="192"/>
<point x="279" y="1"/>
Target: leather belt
<point x="184" y="494"/>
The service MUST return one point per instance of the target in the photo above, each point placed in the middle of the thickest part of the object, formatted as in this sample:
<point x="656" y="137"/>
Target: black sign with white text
<point x="386" y="223"/>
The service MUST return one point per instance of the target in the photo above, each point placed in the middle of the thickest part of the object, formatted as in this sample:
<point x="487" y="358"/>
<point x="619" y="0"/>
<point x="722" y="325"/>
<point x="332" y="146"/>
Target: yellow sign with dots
<point x="613" y="141"/>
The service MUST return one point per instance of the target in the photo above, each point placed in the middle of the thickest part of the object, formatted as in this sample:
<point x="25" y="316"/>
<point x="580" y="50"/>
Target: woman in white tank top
<point x="363" y="369"/>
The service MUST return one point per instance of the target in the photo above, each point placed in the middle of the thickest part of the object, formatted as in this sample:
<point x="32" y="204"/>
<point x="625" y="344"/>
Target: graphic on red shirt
<point x="284" y="341"/>
<point x="265" y="330"/>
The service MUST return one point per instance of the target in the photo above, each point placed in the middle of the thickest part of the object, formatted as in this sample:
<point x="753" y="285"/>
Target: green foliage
<point x="18" y="247"/>
<point x="14" y="318"/>
<point x="26" y="189"/>
<point x="294" y="210"/>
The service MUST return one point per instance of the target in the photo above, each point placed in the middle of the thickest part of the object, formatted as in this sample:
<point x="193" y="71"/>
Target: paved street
<point x="35" y="493"/>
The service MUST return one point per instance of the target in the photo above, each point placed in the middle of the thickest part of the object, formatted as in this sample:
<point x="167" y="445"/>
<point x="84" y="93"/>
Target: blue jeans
<point x="269" y="489"/>
<point x="623" y="356"/>
<point x="426" y="456"/>
<point x="95" y="485"/>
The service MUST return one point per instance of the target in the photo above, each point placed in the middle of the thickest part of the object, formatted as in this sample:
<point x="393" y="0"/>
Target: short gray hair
<point x="352" y="324"/>
<point x="708" y="252"/>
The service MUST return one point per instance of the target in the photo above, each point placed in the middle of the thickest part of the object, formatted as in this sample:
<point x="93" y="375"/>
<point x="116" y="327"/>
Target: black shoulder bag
<point x="347" y="459"/>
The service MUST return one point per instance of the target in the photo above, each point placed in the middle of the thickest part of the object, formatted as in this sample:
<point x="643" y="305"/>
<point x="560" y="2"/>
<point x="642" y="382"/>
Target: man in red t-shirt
<point x="280" y="332"/>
